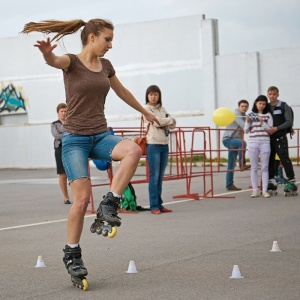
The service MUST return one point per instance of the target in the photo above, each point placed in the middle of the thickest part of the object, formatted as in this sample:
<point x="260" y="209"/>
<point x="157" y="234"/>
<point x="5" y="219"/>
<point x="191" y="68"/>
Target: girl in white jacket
<point x="258" y="122"/>
<point x="157" y="147"/>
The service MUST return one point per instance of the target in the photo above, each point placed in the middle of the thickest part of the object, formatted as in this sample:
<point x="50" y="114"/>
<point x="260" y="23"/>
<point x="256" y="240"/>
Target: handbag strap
<point x="142" y="130"/>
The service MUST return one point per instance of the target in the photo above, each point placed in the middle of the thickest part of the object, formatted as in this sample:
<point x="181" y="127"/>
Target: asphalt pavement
<point x="186" y="254"/>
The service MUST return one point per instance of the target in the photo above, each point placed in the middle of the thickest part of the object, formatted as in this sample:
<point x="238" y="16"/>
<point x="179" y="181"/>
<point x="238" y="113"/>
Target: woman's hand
<point x="59" y="62"/>
<point x="45" y="46"/>
<point x="151" y="117"/>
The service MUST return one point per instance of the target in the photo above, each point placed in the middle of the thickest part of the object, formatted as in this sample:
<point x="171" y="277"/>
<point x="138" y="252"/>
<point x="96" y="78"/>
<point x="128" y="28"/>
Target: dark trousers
<point x="280" y="146"/>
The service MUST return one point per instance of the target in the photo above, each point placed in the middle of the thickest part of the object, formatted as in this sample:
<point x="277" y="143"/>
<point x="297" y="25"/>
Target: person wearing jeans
<point x="157" y="157"/>
<point x="157" y="147"/>
<point x="88" y="77"/>
<point x="233" y="140"/>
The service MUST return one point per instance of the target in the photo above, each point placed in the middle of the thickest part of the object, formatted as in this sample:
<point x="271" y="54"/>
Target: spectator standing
<point x="57" y="128"/>
<point x="282" y="124"/>
<point x="233" y="139"/>
<point x="257" y="125"/>
<point x="157" y="147"/>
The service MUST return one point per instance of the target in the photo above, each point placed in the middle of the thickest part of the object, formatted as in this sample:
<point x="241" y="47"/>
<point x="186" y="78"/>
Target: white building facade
<point x="180" y="55"/>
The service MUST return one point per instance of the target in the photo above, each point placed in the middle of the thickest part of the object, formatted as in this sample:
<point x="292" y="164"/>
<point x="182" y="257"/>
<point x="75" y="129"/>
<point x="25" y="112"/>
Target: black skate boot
<point x="272" y="187"/>
<point x="75" y="267"/>
<point x="290" y="189"/>
<point x="107" y="216"/>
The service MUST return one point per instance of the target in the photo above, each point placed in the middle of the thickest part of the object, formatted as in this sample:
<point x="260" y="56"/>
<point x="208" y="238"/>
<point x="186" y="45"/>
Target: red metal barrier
<point x="187" y="144"/>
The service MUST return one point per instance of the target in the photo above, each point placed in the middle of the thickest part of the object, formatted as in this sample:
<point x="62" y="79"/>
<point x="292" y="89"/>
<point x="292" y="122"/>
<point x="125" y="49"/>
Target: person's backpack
<point x="100" y="164"/>
<point x="282" y="105"/>
<point x="128" y="200"/>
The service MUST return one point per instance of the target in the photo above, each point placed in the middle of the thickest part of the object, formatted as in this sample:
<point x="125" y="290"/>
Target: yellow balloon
<point x="223" y="116"/>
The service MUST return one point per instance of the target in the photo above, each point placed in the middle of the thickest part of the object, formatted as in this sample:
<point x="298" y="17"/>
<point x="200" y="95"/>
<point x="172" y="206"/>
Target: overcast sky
<point x="244" y="25"/>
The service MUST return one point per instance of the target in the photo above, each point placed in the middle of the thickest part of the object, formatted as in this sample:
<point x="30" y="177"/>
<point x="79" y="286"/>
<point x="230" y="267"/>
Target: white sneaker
<point x="255" y="194"/>
<point x="266" y="195"/>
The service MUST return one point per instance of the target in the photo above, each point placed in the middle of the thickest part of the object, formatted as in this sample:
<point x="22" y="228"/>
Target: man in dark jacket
<point x="282" y="124"/>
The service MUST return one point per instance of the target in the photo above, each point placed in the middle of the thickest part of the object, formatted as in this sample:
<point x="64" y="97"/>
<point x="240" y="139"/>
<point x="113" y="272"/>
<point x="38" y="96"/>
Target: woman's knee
<point x="126" y="148"/>
<point x="136" y="150"/>
<point x="81" y="189"/>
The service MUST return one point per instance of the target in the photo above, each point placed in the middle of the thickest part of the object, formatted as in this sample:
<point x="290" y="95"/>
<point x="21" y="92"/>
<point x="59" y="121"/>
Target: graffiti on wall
<point x="12" y="100"/>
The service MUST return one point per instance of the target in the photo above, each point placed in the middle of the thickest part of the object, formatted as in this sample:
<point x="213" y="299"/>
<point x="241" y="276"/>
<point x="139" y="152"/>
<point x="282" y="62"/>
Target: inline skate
<point x="290" y="189"/>
<point x="107" y="217"/>
<point x="272" y="187"/>
<point x="74" y="265"/>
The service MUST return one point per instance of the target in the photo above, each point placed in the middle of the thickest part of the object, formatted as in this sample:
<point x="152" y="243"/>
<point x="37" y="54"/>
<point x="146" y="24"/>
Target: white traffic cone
<point x="131" y="267"/>
<point x="275" y="247"/>
<point x="236" y="274"/>
<point x="40" y="262"/>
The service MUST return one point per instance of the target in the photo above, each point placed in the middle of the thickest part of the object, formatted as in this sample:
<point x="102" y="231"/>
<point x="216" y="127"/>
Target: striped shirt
<point x="257" y="130"/>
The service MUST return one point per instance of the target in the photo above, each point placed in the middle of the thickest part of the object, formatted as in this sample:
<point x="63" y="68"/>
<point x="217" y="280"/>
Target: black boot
<point x="107" y="210"/>
<point x="272" y="185"/>
<point x="73" y="262"/>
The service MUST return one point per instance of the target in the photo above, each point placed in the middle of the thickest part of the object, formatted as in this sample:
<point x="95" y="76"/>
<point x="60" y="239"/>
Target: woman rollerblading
<point x="74" y="265"/>
<point x="88" y="78"/>
<point x="290" y="189"/>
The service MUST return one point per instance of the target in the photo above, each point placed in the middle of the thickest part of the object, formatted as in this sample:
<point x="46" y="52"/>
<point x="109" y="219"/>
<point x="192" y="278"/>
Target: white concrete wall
<point x="247" y="75"/>
<point x="238" y="78"/>
<point x="161" y="52"/>
<point x="180" y="55"/>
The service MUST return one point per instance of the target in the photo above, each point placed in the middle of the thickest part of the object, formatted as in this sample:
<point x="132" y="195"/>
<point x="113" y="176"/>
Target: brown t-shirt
<point x="85" y="96"/>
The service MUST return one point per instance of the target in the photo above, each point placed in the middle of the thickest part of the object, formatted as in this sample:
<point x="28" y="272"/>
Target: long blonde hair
<point x="63" y="28"/>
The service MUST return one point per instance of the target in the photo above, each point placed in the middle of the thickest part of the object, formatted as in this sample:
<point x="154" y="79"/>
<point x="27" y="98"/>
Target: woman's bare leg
<point x="81" y="189"/>
<point x="129" y="154"/>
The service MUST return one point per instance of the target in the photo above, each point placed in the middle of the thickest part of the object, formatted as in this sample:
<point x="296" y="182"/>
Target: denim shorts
<point x="77" y="149"/>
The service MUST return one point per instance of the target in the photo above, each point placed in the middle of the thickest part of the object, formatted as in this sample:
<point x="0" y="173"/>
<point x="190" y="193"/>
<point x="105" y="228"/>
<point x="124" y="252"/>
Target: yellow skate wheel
<point x="113" y="232"/>
<point x="85" y="285"/>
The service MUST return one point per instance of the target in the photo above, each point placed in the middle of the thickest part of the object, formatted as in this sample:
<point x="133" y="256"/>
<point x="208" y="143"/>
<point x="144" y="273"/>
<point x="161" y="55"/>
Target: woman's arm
<point x="58" y="62"/>
<point x="128" y="98"/>
<point x="270" y="120"/>
<point x="55" y="132"/>
<point x="165" y="120"/>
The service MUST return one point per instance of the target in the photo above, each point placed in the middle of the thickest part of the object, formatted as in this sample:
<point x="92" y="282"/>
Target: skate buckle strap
<point x="114" y="213"/>
<point x="69" y="262"/>
<point x="113" y="203"/>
